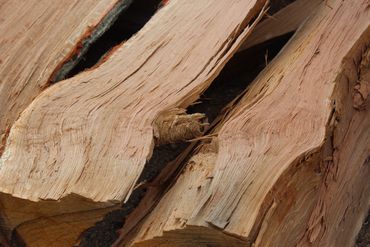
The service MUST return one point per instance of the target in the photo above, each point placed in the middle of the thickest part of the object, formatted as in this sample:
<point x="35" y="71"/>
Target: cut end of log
<point x="176" y="126"/>
<point x="193" y="236"/>
<point x="35" y="222"/>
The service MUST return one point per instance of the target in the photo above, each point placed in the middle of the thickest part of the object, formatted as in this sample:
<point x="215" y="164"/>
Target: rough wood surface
<point x="40" y="41"/>
<point x="91" y="135"/>
<point x="80" y="146"/>
<point x="344" y="196"/>
<point x="290" y="164"/>
<point x="37" y="38"/>
<point x="286" y="20"/>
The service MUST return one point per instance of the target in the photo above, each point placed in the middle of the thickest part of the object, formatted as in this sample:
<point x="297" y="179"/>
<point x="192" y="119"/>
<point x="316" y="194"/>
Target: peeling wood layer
<point x="176" y="126"/>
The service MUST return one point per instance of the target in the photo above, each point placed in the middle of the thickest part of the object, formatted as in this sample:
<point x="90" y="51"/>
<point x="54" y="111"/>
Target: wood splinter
<point x="175" y="126"/>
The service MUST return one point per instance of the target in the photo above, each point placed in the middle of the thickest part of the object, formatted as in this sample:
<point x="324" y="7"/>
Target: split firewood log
<point x="78" y="149"/>
<point x="290" y="163"/>
<point x="40" y="43"/>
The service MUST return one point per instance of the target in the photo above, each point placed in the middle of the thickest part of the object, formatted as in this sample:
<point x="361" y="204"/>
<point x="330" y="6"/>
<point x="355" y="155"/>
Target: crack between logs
<point x="91" y="35"/>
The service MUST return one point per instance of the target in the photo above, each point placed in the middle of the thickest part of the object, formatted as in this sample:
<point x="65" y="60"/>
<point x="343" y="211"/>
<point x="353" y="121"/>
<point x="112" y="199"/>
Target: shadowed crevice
<point x="128" y="20"/>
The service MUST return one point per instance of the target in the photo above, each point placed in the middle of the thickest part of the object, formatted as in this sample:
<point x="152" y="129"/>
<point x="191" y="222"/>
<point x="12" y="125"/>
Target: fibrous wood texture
<point x="40" y="41"/>
<point x="85" y="140"/>
<point x="290" y="164"/>
<point x="96" y="128"/>
<point x="38" y="38"/>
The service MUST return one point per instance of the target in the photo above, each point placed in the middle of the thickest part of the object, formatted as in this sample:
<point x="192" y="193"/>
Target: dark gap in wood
<point x="128" y="22"/>
<point x="124" y="20"/>
<point x="276" y="5"/>
<point x="16" y="240"/>
<point x="232" y="81"/>
<point x="363" y="239"/>
<point x="236" y="76"/>
<point x="90" y="36"/>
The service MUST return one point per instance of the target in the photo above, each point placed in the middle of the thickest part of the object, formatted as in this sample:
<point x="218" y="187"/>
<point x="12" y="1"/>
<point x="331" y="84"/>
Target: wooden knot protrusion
<point x="175" y="126"/>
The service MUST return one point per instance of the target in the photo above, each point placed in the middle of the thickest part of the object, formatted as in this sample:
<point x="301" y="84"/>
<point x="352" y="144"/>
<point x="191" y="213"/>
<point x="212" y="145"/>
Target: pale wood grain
<point x="37" y="38"/>
<point x="83" y="142"/>
<point x="92" y="134"/>
<point x="298" y="128"/>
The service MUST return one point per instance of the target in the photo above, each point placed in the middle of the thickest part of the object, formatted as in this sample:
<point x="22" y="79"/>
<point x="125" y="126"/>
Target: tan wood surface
<point x="92" y="134"/>
<point x="290" y="164"/>
<point x="37" y="38"/>
<point x="78" y="149"/>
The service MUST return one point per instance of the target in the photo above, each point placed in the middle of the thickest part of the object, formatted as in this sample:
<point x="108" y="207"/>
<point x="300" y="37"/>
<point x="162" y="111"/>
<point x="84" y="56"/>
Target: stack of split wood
<point x="285" y="163"/>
